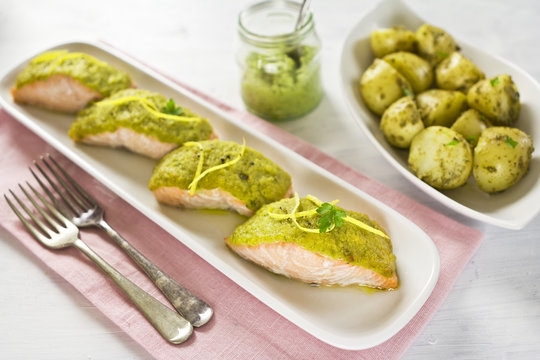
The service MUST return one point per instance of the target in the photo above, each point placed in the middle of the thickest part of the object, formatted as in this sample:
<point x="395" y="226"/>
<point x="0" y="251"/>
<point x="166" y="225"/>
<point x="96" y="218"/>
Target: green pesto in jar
<point x="91" y="72"/>
<point x="254" y="179"/>
<point x="127" y="109"/>
<point x="349" y="243"/>
<point x="276" y="86"/>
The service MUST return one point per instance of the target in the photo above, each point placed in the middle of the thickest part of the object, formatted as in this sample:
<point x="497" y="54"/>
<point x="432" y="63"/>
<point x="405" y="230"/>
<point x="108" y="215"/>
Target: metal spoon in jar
<point x="303" y="11"/>
<point x="297" y="53"/>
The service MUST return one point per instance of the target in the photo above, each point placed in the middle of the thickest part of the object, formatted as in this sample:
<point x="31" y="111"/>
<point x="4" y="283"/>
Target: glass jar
<point x="280" y="65"/>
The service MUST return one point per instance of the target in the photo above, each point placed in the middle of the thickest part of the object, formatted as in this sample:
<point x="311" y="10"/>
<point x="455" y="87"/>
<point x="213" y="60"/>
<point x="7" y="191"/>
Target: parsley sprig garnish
<point x="172" y="109"/>
<point x="331" y="217"/>
<point x="494" y="81"/>
<point x="453" y="142"/>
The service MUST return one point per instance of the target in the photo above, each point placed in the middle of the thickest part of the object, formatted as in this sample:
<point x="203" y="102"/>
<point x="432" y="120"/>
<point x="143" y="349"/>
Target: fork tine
<point x="33" y="230"/>
<point x="62" y="182"/>
<point x="75" y="208"/>
<point x="64" y="221"/>
<point x="58" y="204"/>
<point x="76" y="185"/>
<point x="53" y="223"/>
<point x="29" y="212"/>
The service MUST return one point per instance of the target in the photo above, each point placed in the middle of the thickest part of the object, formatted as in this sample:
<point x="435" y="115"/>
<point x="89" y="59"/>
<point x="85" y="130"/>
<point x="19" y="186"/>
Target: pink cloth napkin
<point x="242" y="326"/>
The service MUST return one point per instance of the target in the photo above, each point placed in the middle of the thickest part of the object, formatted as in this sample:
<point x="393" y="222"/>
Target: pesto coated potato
<point x="386" y="41"/>
<point x="441" y="107"/>
<point x="458" y="123"/>
<point x="456" y="72"/>
<point x="441" y="157"/>
<point x="501" y="158"/>
<point x="381" y="85"/>
<point x="415" y="69"/>
<point x="470" y="124"/>
<point x="401" y="122"/>
<point x="434" y="44"/>
<point x="497" y="98"/>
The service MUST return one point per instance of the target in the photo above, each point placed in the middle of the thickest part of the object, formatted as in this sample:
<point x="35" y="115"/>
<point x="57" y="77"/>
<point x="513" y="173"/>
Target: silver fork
<point x="61" y="233"/>
<point x="85" y="211"/>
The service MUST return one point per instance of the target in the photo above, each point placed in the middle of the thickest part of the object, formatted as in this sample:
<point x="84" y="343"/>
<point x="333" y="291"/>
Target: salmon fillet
<point x="132" y="140"/>
<point x="285" y="237"/>
<point x="203" y="199"/>
<point x="58" y="92"/>
<point x="294" y="261"/>
<point x="139" y="143"/>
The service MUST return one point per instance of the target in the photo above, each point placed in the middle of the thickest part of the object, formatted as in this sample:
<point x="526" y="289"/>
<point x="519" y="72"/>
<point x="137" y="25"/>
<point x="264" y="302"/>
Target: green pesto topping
<point x="140" y="111"/>
<point x="199" y="174"/>
<point x="95" y="74"/>
<point x="331" y="216"/>
<point x="253" y="179"/>
<point x="350" y="243"/>
<point x="276" y="87"/>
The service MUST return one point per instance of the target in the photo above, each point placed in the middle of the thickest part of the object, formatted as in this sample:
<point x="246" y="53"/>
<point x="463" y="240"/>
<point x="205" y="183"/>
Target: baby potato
<point x="381" y="85"/>
<point x="441" y="107"/>
<point x="401" y="122"/>
<point x="441" y="157"/>
<point x="501" y="158"/>
<point x="456" y="72"/>
<point x="470" y="124"/>
<point x="434" y="44"/>
<point x="497" y="98"/>
<point x="386" y="41"/>
<point x="415" y="69"/>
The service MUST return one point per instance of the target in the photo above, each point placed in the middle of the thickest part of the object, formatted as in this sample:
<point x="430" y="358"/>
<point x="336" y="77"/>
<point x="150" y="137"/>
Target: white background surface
<point x="493" y="310"/>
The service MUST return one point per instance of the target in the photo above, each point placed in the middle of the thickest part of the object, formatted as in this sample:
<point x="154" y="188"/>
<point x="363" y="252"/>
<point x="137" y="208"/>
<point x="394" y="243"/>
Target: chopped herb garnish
<point x="453" y="142"/>
<point x="471" y="139"/>
<point x="511" y="142"/>
<point x="408" y="92"/>
<point x="330" y="217"/>
<point x="442" y="54"/>
<point x="494" y="81"/>
<point x="172" y="109"/>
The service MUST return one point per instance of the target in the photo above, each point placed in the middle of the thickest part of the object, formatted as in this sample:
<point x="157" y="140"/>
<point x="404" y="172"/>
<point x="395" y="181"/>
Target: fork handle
<point x="167" y="322"/>
<point x="194" y="309"/>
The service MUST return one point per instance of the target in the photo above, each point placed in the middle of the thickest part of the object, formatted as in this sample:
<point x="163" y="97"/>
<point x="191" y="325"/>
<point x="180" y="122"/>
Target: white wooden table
<point x="493" y="310"/>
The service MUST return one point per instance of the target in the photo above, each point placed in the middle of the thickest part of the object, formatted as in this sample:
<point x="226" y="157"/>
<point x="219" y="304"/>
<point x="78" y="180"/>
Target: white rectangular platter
<point x="348" y="318"/>
<point x="513" y="208"/>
